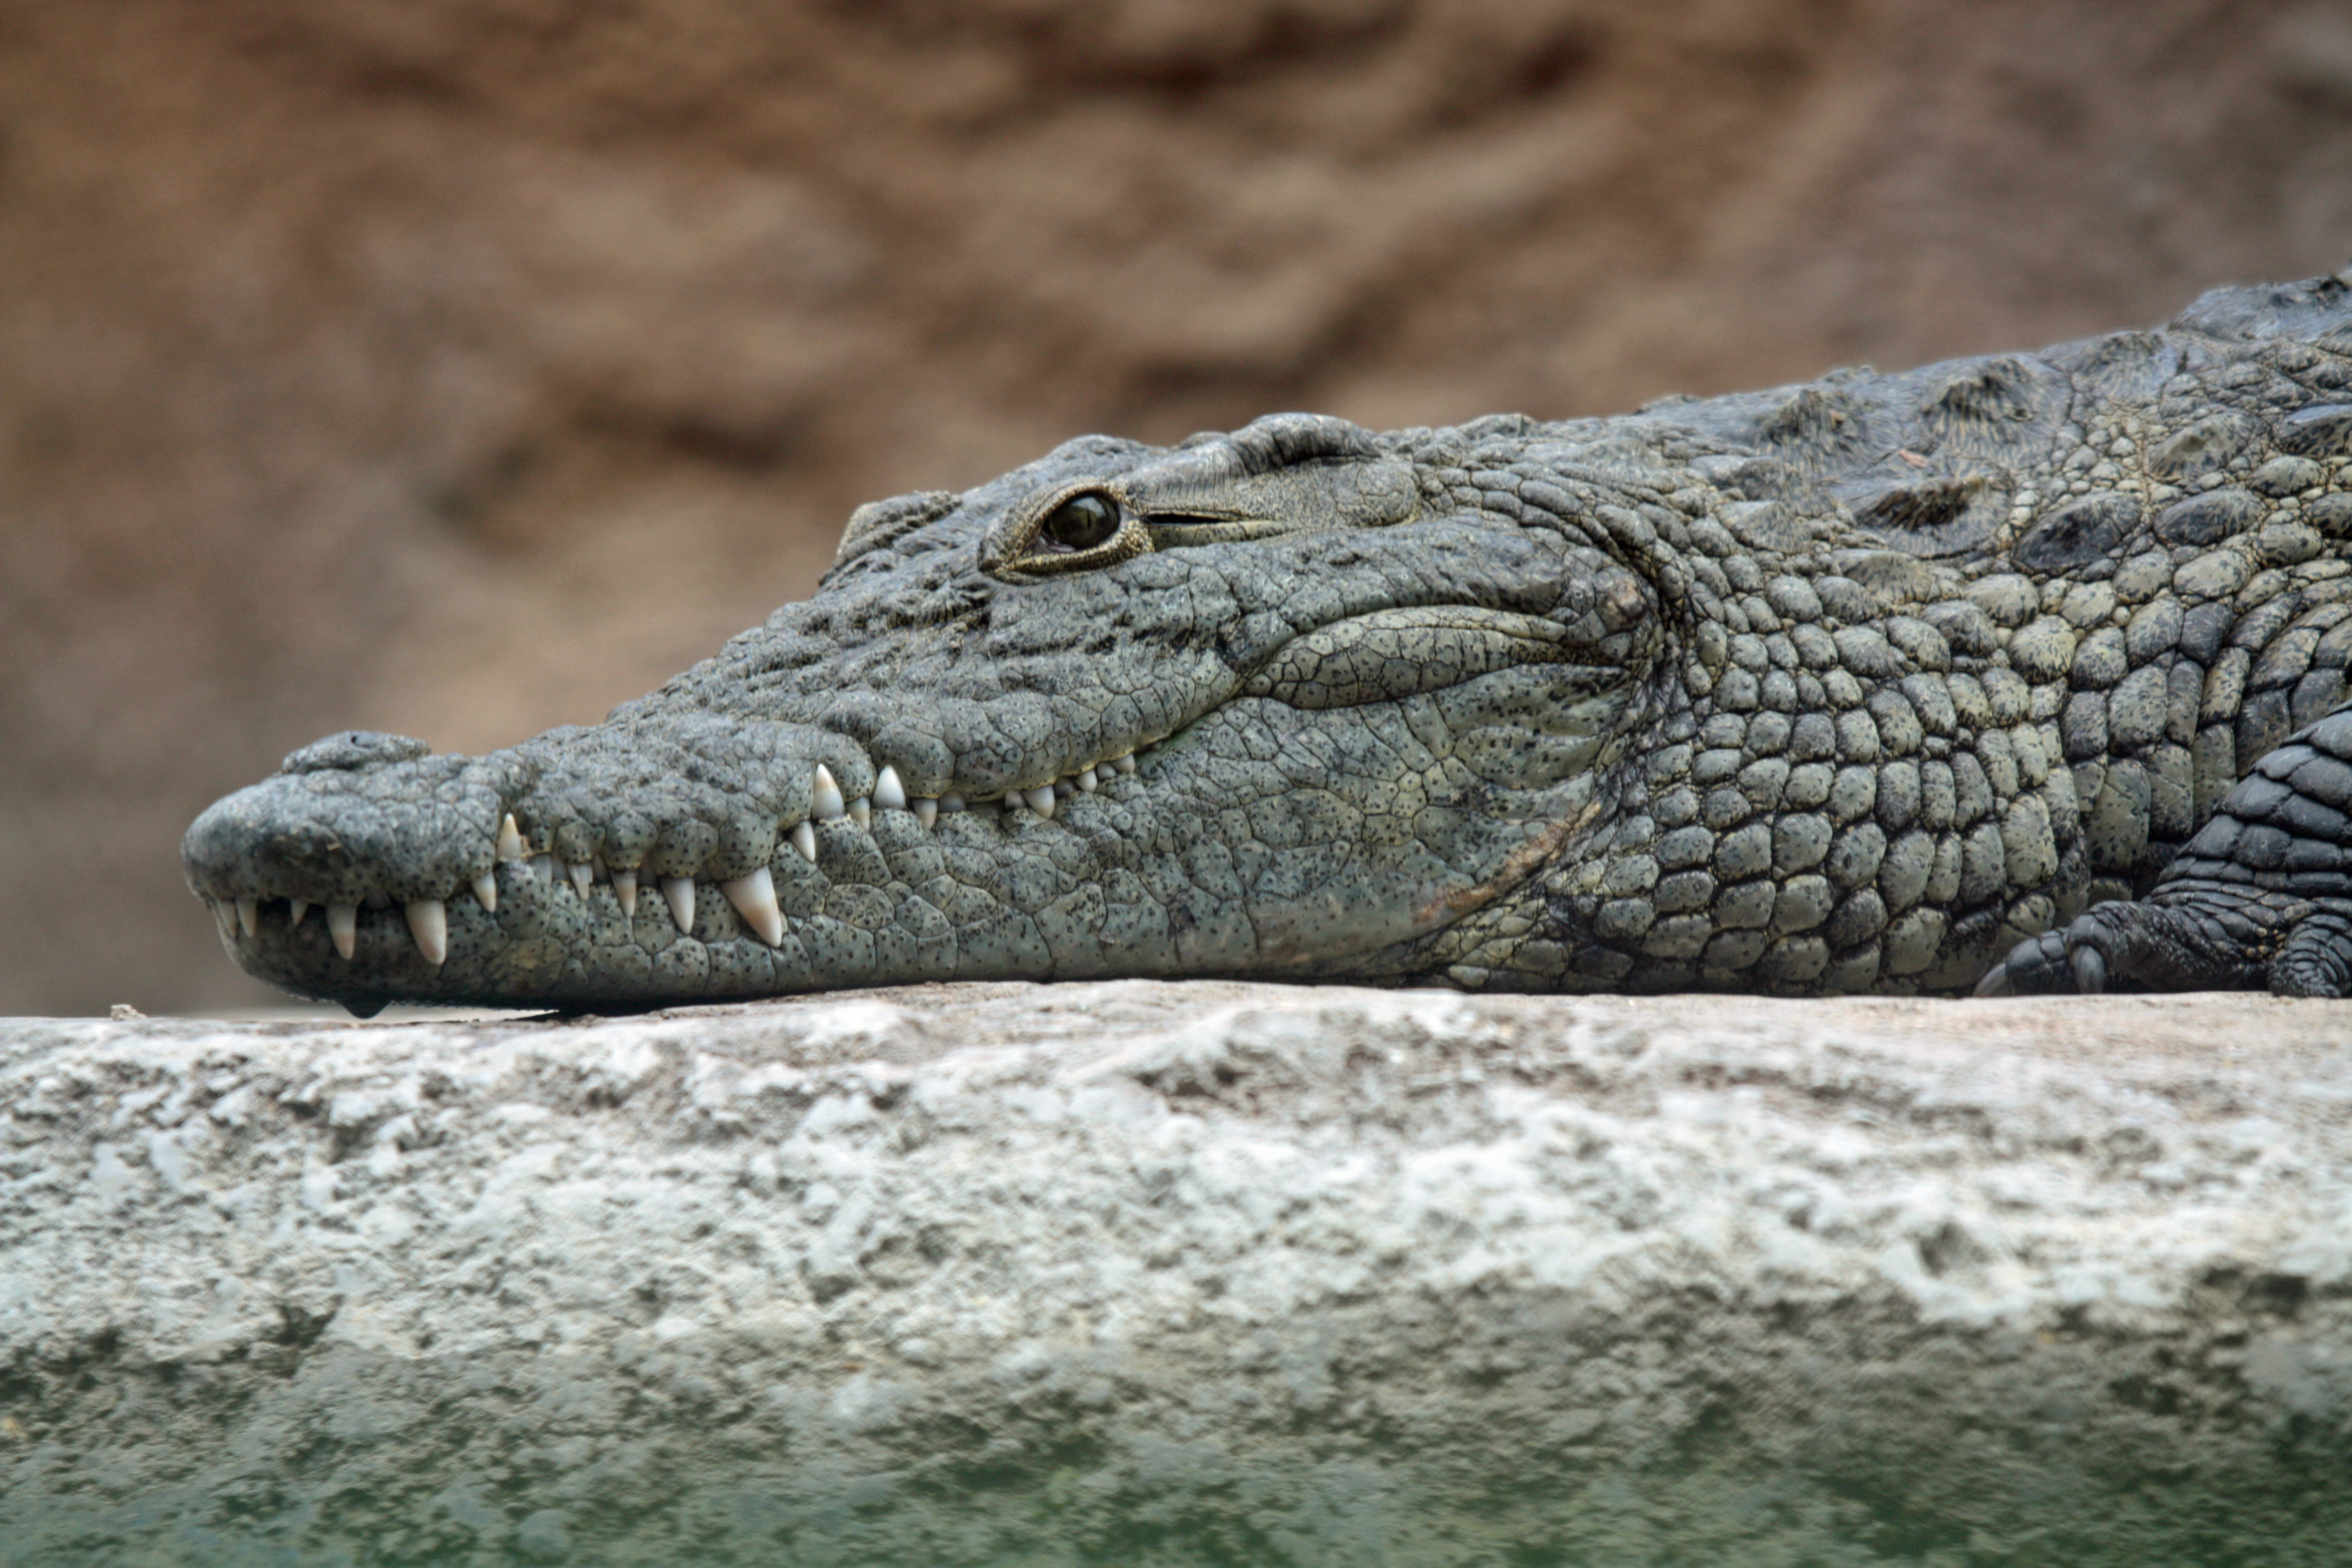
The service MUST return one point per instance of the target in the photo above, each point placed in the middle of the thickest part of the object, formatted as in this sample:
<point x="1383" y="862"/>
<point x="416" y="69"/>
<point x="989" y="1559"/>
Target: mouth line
<point x="752" y="895"/>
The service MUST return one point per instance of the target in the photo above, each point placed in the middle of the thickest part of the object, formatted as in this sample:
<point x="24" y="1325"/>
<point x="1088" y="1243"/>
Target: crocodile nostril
<point x="353" y="750"/>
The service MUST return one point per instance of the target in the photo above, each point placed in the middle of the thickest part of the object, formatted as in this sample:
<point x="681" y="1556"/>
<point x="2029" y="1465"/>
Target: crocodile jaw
<point x="1203" y="854"/>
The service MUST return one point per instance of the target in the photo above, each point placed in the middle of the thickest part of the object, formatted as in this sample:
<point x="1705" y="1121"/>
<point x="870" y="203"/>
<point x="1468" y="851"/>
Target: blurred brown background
<point x="462" y="367"/>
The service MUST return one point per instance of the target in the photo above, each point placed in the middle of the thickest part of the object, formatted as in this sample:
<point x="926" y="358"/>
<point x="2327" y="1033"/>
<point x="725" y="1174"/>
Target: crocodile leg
<point x="2262" y="897"/>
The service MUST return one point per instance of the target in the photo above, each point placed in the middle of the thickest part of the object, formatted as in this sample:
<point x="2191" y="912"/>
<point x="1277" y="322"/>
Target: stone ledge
<point x="1149" y="1272"/>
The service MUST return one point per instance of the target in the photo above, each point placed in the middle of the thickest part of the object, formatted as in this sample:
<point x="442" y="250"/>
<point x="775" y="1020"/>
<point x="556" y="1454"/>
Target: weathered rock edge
<point x="1151" y="1273"/>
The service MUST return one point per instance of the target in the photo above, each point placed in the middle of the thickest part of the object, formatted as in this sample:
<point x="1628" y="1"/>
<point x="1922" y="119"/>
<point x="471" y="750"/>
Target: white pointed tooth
<point x="1124" y="764"/>
<point x="825" y="800"/>
<point x="927" y="810"/>
<point x="1041" y="799"/>
<point x="543" y="868"/>
<point x="428" y="922"/>
<point x="679" y="892"/>
<point x="951" y="801"/>
<point x="486" y="892"/>
<point x="582" y="878"/>
<point x="754" y="898"/>
<point x="888" y="793"/>
<point x="803" y="838"/>
<point x="510" y="839"/>
<point x="224" y="915"/>
<point x="343" y="925"/>
<point x="295" y="909"/>
<point x="625" y="887"/>
<point x="861" y="811"/>
<point x="248" y="915"/>
<point x="1086" y="780"/>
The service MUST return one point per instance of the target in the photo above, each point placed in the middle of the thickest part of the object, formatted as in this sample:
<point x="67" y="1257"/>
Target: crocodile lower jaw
<point x="752" y="895"/>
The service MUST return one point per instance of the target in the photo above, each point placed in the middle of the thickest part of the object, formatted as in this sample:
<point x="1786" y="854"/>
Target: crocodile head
<point x="1276" y="703"/>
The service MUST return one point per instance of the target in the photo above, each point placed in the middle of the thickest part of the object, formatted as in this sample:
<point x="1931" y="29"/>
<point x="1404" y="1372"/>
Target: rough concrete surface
<point x="1210" y="1272"/>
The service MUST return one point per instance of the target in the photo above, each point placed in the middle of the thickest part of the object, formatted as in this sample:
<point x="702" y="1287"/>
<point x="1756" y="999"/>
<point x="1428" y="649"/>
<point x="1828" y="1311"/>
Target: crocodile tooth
<point x="927" y="810"/>
<point x="295" y="909"/>
<point x="861" y="811"/>
<point x="428" y="922"/>
<point x="1041" y="800"/>
<point x="803" y="838"/>
<point x="1086" y="780"/>
<point x="510" y="839"/>
<point x="248" y="915"/>
<point x="951" y="801"/>
<point x="825" y="800"/>
<point x="582" y="878"/>
<point x="1124" y="764"/>
<point x="680" y="892"/>
<point x="223" y="915"/>
<point x="486" y="892"/>
<point x="543" y="868"/>
<point x="625" y="887"/>
<point x="343" y="925"/>
<point x="888" y="793"/>
<point x="754" y="898"/>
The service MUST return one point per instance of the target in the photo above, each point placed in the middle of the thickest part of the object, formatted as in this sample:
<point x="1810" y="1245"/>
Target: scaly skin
<point x="1852" y="686"/>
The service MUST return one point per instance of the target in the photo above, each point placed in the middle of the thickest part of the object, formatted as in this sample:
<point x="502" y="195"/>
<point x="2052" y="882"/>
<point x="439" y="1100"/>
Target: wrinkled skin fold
<point x="2013" y="673"/>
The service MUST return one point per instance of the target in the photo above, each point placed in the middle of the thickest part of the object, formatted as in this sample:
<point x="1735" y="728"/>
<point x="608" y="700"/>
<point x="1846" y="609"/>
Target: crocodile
<point x="2018" y="673"/>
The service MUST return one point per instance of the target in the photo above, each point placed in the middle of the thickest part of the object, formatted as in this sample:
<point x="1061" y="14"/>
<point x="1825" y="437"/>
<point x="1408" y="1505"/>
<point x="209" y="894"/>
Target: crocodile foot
<point x="2217" y="940"/>
<point x="2256" y="900"/>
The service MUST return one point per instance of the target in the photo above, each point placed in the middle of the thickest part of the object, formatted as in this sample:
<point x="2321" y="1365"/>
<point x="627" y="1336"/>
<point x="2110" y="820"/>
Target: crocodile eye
<point x="1081" y="522"/>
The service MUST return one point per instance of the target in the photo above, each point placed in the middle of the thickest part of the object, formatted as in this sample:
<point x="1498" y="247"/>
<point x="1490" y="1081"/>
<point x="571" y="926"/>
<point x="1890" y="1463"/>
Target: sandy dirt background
<point x="463" y="367"/>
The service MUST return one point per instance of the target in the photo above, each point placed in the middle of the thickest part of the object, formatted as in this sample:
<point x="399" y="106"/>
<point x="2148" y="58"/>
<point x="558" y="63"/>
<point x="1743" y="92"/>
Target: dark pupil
<point x="1082" y="522"/>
